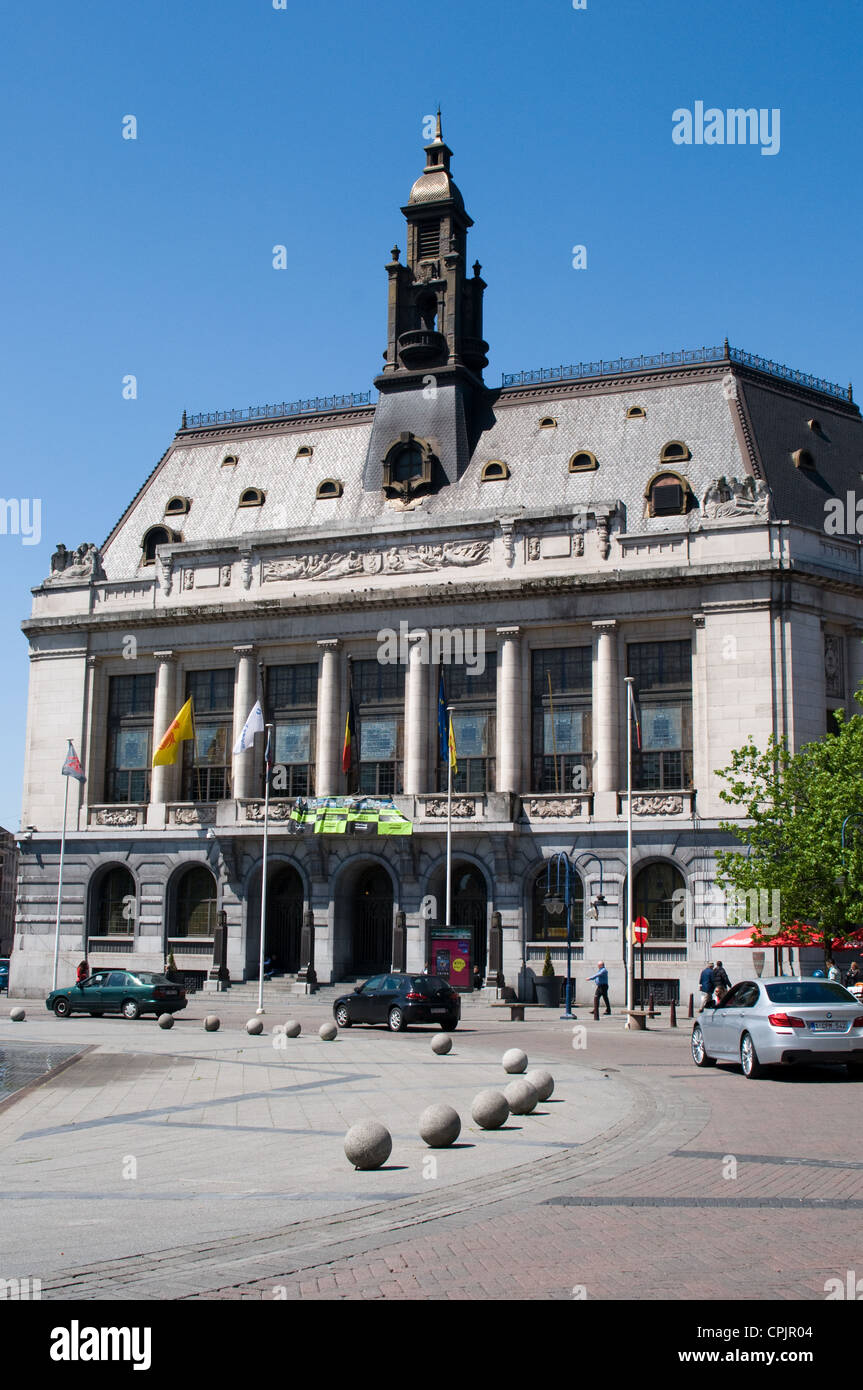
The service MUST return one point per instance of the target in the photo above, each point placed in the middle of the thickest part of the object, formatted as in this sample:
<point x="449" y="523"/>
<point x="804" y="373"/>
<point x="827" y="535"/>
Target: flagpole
<point x="260" y="1008"/>
<point x="629" y="948"/>
<point x="60" y="885"/>
<point x="449" y="820"/>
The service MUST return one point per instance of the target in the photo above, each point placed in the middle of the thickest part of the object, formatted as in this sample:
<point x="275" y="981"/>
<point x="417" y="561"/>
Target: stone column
<point x="245" y="686"/>
<point x="307" y="949"/>
<point x="400" y="942"/>
<point x="494" y="974"/>
<point x="509" y="711"/>
<point x="416" y="778"/>
<point x="606" y="696"/>
<point x="330" y="723"/>
<point x="165" y="780"/>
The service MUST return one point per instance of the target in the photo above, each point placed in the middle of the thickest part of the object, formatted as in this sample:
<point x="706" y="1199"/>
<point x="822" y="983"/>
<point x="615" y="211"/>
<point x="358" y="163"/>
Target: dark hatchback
<point x="399" y="1000"/>
<point x="119" y="992"/>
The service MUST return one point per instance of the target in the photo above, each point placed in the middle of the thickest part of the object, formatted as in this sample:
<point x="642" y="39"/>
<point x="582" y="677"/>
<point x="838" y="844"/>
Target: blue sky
<point x="303" y="127"/>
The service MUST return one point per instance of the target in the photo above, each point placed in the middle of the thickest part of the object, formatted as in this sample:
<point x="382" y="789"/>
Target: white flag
<point x="253" y="725"/>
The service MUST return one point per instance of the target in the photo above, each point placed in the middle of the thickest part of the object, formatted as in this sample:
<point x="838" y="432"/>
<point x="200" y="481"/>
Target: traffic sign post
<point x="640" y="929"/>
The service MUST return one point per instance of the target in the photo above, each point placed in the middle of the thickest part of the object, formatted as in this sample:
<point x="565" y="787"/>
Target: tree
<point x="795" y="806"/>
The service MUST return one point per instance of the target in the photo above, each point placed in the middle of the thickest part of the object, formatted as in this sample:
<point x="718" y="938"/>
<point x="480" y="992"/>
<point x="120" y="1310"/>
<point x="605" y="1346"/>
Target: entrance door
<point x="373" y="923"/>
<point x="469" y="909"/>
<point x="285" y="920"/>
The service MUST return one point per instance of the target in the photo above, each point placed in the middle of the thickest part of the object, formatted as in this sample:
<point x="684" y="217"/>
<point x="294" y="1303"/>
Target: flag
<point x="452" y="753"/>
<point x="349" y="746"/>
<point x="253" y="725"/>
<point x="635" y="713"/>
<point x="441" y="718"/>
<point x="268" y="751"/>
<point x="72" y="766"/>
<point x="183" y="727"/>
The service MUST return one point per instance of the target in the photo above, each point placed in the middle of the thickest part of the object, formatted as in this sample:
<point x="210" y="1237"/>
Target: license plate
<point x="438" y="1011"/>
<point x="168" y="993"/>
<point x="828" y="1027"/>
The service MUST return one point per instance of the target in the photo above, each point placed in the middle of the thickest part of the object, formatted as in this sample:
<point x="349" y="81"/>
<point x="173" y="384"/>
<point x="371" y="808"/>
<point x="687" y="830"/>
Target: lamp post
<point x="599" y="901"/>
<point x="555" y="904"/>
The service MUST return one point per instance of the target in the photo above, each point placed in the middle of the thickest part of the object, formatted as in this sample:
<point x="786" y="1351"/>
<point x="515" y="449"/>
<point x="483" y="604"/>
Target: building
<point x="660" y="517"/>
<point x="8" y="886"/>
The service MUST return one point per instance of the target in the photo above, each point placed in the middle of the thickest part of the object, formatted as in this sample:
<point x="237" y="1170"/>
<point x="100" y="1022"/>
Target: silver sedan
<point x="781" y="1022"/>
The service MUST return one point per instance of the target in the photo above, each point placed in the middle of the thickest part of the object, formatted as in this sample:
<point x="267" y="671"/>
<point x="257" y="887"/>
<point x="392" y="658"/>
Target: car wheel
<point x="396" y="1021"/>
<point x="449" y="1025"/>
<point x="342" y="1016"/>
<point x="62" y="1008"/>
<point x="699" y="1055"/>
<point x="752" y="1068"/>
<point x="131" y="1009"/>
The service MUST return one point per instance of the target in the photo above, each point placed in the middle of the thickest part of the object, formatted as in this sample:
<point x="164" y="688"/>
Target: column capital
<point x="330" y="643"/>
<point x="163" y="656"/>
<point x="91" y="662"/>
<point x="508" y="631"/>
<point x="605" y="625"/>
<point x="698" y="619"/>
<point x="248" y="649"/>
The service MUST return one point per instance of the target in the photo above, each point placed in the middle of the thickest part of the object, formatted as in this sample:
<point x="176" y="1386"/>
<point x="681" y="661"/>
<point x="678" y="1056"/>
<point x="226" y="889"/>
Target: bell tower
<point x="431" y="385"/>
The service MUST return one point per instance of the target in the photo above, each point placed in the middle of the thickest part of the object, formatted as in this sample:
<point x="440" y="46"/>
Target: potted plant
<point x="546" y="984"/>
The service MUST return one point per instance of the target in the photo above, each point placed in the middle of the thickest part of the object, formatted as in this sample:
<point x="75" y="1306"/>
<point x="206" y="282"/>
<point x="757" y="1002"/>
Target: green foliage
<point x="547" y="967"/>
<point x="795" y="805"/>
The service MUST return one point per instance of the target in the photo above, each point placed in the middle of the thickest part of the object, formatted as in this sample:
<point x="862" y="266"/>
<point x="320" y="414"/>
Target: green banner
<point x="348" y="815"/>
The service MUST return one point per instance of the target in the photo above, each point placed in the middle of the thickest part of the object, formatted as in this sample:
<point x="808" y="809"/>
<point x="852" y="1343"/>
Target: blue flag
<point x="443" y="733"/>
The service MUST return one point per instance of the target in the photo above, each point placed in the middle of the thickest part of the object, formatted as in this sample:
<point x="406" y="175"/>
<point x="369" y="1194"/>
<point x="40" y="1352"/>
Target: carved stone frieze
<point x="279" y="811"/>
<point x="733" y="497"/>
<point x="462" y="808"/>
<point x="193" y="815"/>
<point x="409" y="559"/>
<point x="657" y="805"/>
<point x="558" y="808"/>
<point x="117" y="816"/>
<point x="75" y="566"/>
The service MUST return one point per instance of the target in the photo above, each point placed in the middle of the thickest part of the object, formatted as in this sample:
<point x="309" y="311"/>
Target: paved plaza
<point x="186" y="1164"/>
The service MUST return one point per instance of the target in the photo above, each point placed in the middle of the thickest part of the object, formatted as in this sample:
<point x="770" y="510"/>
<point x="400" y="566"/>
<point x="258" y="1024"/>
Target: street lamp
<point x="555" y="905"/>
<point x="598" y="900"/>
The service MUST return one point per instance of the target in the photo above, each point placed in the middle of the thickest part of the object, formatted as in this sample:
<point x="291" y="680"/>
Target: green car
<point x="118" y="992"/>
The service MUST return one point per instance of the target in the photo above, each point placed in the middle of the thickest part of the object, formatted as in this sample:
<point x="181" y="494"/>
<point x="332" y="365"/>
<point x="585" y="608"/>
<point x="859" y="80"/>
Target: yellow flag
<point x="452" y="754"/>
<point x="182" y="728"/>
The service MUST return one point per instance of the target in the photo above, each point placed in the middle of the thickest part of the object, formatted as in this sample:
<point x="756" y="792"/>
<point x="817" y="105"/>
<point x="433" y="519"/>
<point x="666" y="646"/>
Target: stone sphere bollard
<point x="212" y="1023"/>
<point x="368" y="1144"/>
<point x="18" y="1015"/>
<point x="439" y="1126"/>
<point x="255" y="1026"/>
<point x="521" y="1097"/>
<point x="490" y="1109"/>
<point x="542" y="1080"/>
<point x="328" y="1031"/>
<point x="442" y="1044"/>
<point x="166" y="1020"/>
<point x="514" y="1060"/>
<point x="293" y="1029"/>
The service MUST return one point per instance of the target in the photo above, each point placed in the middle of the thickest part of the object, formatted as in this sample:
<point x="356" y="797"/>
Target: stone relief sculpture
<point x="75" y="566"/>
<point x="730" y="497"/>
<point x="412" y="559"/>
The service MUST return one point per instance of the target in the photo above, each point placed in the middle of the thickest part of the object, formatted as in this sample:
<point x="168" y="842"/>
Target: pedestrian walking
<point x="477" y="977"/>
<point x="601" y="978"/>
<point x="82" y="972"/>
<point x="722" y="981"/>
<point x="707" y="984"/>
<point x="833" y="971"/>
<point x="854" y="975"/>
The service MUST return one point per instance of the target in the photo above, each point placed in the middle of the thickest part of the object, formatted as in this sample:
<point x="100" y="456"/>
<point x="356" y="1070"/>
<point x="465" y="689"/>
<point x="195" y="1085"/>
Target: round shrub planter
<point x="514" y="1060"/>
<point x="542" y="1080"/>
<point x="439" y="1126"/>
<point x="368" y="1144"/>
<point x="490" y="1109"/>
<point x="521" y="1097"/>
<point x="442" y="1044"/>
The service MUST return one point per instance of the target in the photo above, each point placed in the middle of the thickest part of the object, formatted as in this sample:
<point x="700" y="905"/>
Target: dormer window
<point x="229" y="461"/>
<point x="177" y="506"/>
<point x="494" y="471"/>
<point x="156" y="536"/>
<point x="407" y="467"/>
<point x="583" y="462"/>
<point x="548" y="422"/>
<point x="803" y="459"/>
<point x="667" y="494"/>
<point x="330" y="487"/>
<point x="252" y="497"/>
<point x="635" y="412"/>
<point x="674" y="452"/>
<point x="305" y="451"/>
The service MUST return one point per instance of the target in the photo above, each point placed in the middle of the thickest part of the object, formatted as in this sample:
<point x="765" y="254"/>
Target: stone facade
<point x="568" y="548"/>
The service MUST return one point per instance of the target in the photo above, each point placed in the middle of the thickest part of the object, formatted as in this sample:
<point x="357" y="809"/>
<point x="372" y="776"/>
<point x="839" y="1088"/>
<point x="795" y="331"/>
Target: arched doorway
<point x="372" y="922"/>
<point x="469" y="907"/>
<point x="284" y="919"/>
<point x="551" y="926"/>
<point x="113" y="905"/>
<point x="655" y="888"/>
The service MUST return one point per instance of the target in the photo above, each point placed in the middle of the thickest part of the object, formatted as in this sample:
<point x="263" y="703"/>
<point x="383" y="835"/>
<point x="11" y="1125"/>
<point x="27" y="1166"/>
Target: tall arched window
<point x="551" y="926"/>
<point x="196" y="904"/>
<point x="115" y="904"/>
<point x="157" y="535"/>
<point x="655" y="886"/>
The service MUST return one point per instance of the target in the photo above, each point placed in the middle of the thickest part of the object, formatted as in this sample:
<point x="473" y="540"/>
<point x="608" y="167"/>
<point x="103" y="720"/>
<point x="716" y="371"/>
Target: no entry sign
<point x="640" y="928"/>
